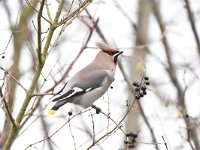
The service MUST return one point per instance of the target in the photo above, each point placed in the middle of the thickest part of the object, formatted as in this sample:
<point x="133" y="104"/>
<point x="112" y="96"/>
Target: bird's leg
<point x="98" y="110"/>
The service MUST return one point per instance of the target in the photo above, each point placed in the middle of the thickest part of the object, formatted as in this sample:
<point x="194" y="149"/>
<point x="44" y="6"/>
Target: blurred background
<point x="44" y="43"/>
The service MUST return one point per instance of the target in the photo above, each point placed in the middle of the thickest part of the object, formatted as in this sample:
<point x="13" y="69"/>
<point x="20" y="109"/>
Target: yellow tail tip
<point x="52" y="112"/>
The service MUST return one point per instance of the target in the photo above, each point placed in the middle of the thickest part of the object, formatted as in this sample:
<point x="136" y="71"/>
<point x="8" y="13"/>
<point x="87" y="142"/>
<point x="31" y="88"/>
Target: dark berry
<point x="128" y="134"/>
<point x="187" y="116"/>
<point x="111" y="87"/>
<point x="141" y="94"/>
<point x="69" y="113"/>
<point x="133" y="140"/>
<point x="134" y="135"/>
<point x="137" y="97"/>
<point x="143" y="88"/>
<point x="147" y="83"/>
<point x="146" y="78"/>
<point x="131" y="146"/>
<point x="126" y="142"/>
<point x="137" y="89"/>
<point x="3" y="56"/>
<point x="144" y="92"/>
<point x="135" y="83"/>
<point x="131" y="134"/>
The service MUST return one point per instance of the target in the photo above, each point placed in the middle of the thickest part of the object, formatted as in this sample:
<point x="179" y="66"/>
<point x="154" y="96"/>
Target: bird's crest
<point x="105" y="47"/>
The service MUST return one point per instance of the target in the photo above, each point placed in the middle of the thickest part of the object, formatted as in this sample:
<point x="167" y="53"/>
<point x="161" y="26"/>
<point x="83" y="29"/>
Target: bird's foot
<point x="98" y="110"/>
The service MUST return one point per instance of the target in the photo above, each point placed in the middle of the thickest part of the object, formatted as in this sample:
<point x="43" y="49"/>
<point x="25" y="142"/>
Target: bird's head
<point x="111" y="52"/>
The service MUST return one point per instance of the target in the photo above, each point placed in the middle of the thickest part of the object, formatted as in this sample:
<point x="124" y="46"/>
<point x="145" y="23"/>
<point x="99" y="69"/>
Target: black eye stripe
<point x="111" y="53"/>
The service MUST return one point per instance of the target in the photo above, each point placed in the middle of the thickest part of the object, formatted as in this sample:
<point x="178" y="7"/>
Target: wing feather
<point x="81" y="83"/>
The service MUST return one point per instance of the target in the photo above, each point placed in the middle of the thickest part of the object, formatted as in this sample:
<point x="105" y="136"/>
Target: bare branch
<point x="7" y="109"/>
<point x="74" y="14"/>
<point x="39" y="32"/>
<point x="192" y="23"/>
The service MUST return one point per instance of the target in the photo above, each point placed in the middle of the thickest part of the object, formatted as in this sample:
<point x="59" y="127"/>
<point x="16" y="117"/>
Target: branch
<point x="65" y="73"/>
<point x="148" y="124"/>
<point x="33" y="85"/>
<point x="173" y="76"/>
<point x="171" y="70"/>
<point x="42" y="94"/>
<point x="39" y="32"/>
<point x="165" y="143"/>
<point x="192" y="23"/>
<point x="30" y="4"/>
<point x="68" y="20"/>
<point x="7" y="72"/>
<point x="7" y="109"/>
<point x="55" y="132"/>
<point x="117" y="126"/>
<point x="98" y="29"/>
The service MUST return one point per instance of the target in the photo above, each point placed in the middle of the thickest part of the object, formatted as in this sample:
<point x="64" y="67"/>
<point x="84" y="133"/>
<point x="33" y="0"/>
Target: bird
<point x="91" y="82"/>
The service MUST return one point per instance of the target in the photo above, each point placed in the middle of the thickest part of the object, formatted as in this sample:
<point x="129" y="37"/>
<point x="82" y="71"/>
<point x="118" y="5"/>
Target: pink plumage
<point x="105" y="47"/>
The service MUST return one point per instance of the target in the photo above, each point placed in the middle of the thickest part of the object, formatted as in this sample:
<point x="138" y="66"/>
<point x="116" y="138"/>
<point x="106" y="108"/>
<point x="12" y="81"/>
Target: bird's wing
<point x="83" y="82"/>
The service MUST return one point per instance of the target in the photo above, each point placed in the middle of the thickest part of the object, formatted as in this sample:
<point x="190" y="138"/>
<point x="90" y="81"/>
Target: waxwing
<point x="91" y="82"/>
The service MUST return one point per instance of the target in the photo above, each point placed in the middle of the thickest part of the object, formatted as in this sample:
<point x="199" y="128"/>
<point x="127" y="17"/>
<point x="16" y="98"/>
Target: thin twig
<point x="6" y="71"/>
<point x="165" y="143"/>
<point x="72" y="135"/>
<point x="148" y="124"/>
<point x="7" y="109"/>
<point x="93" y="127"/>
<point x="74" y="14"/>
<point x="29" y="3"/>
<point x="110" y="118"/>
<point x="47" y="138"/>
<point x="114" y="129"/>
<point x="98" y="29"/>
<point x="42" y="94"/>
<point x="48" y="11"/>
<point x="192" y="23"/>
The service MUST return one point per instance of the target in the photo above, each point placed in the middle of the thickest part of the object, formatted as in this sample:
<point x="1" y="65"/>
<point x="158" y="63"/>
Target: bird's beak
<point x="119" y="53"/>
<point x="116" y="55"/>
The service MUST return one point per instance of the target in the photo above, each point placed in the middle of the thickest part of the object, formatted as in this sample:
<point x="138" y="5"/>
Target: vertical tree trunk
<point x="20" y="36"/>
<point x="137" y="63"/>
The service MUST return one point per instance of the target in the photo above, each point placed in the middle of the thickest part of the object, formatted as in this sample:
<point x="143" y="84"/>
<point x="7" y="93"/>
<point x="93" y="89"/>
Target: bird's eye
<point x="110" y="53"/>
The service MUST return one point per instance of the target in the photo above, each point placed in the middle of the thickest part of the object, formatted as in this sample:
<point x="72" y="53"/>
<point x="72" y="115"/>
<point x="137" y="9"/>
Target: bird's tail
<point x="58" y="104"/>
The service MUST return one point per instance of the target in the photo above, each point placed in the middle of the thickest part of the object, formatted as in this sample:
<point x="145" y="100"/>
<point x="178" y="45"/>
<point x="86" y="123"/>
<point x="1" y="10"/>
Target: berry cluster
<point x="131" y="139"/>
<point x="140" y="88"/>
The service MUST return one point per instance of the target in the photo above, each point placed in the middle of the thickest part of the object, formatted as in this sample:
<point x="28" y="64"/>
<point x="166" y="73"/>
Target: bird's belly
<point x="86" y="100"/>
